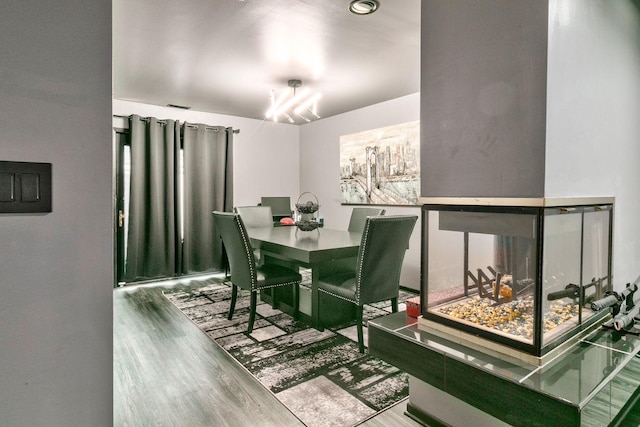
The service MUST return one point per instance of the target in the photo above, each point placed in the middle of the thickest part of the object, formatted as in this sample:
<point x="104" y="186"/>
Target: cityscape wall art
<point x="381" y="166"/>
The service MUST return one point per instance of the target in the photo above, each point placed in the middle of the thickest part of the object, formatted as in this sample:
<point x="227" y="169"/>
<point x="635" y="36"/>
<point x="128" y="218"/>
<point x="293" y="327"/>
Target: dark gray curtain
<point x="208" y="186"/>
<point x="154" y="216"/>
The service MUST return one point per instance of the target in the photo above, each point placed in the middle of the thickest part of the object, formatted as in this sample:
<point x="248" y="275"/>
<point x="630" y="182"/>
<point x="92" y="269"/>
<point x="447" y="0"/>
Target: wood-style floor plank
<point x="167" y="372"/>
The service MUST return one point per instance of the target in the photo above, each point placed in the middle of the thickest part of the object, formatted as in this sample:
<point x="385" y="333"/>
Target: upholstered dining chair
<point x="377" y="273"/>
<point x="359" y="215"/>
<point x="244" y="272"/>
<point x="255" y="216"/>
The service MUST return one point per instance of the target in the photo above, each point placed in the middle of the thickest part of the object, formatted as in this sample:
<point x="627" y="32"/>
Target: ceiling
<point x="226" y="56"/>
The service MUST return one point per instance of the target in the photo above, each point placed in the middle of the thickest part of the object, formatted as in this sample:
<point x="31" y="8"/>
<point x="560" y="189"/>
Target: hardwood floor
<point x="168" y="373"/>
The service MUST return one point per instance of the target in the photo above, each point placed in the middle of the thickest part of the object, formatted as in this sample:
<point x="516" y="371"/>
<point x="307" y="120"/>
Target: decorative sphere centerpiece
<point x="306" y="213"/>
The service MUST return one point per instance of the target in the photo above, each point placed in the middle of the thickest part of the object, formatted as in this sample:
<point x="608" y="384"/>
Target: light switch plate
<point x="25" y="187"/>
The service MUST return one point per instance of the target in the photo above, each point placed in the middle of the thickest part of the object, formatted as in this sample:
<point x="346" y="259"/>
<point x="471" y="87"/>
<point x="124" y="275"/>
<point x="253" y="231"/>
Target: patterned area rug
<point x="319" y="376"/>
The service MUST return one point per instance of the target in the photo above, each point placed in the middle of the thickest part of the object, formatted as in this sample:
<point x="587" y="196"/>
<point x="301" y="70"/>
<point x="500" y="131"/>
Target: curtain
<point x="208" y="186"/>
<point x="154" y="214"/>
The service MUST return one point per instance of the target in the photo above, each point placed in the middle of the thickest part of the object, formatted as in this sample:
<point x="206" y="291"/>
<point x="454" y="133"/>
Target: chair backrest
<point x="384" y="242"/>
<point x="238" y="247"/>
<point x="255" y="216"/>
<point x="280" y="206"/>
<point x="359" y="216"/>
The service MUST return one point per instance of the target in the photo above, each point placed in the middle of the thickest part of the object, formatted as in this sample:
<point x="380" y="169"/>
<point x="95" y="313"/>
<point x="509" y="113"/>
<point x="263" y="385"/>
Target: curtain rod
<point x="210" y="128"/>
<point x="190" y="125"/>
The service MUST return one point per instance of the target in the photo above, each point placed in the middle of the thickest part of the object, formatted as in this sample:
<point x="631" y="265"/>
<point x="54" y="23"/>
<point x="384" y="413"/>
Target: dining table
<point x="323" y="251"/>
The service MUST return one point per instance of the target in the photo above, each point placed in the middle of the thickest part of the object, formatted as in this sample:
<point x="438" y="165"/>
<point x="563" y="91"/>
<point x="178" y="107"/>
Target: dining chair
<point x="245" y="274"/>
<point x="255" y="216"/>
<point x="280" y="206"/>
<point x="359" y="215"/>
<point x="376" y="276"/>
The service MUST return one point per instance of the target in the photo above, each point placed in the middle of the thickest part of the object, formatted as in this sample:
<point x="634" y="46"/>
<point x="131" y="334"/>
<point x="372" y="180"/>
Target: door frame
<point x="121" y="138"/>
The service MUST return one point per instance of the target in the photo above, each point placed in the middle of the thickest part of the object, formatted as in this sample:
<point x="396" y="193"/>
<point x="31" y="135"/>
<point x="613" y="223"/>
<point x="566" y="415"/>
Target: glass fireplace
<point x="515" y="275"/>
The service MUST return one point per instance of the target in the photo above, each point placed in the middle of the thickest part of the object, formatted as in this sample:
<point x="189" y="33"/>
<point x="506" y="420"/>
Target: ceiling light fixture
<point x="290" y="103"/>
<point x="182" y="107"/>
<point x="363" y="7"/>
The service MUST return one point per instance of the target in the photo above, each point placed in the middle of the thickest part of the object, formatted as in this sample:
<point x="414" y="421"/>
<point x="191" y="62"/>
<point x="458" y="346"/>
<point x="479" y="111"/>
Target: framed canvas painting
<point x="381" y="166"/>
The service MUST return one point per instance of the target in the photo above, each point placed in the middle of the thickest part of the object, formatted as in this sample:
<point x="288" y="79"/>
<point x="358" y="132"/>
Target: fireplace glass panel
<point x="521" y="276"/>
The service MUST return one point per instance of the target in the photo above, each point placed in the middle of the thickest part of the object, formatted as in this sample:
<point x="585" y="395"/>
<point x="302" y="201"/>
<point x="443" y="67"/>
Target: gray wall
<point x="57" y="268"/>
<point x="593" y="114"/>
<point x="320" y="167"/>
<point x="483" y="93"/>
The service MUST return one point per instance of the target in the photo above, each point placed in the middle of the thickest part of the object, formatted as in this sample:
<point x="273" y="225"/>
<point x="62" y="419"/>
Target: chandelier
<point x="293" y="105"/>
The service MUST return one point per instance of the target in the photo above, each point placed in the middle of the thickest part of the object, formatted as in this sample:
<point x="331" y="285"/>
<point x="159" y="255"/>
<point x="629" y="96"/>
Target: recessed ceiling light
<point x="363" y="7"/>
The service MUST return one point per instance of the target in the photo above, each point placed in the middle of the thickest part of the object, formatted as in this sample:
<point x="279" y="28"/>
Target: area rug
<point x="319" y="376"/>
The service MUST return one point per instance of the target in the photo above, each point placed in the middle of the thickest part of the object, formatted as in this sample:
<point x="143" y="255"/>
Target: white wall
<point x="320" y="167"/>
<point x="276" y="159"/>
<point x="593" y="114"/>
<point x="56" y="269"/>
<point x="265" y="154"/>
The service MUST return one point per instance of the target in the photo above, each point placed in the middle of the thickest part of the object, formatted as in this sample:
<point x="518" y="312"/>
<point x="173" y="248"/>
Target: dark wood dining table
<point x="323" y="251"/>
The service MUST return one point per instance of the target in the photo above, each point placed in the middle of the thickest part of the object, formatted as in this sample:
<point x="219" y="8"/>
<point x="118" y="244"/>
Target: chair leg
<point x="359" y="311"/>
<point x="394" y="304"/>
<point x="252" y="311"/>
<point x="272" y="294"/>
<point x="234" y="296"/>
<point x="296" y="300"/>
